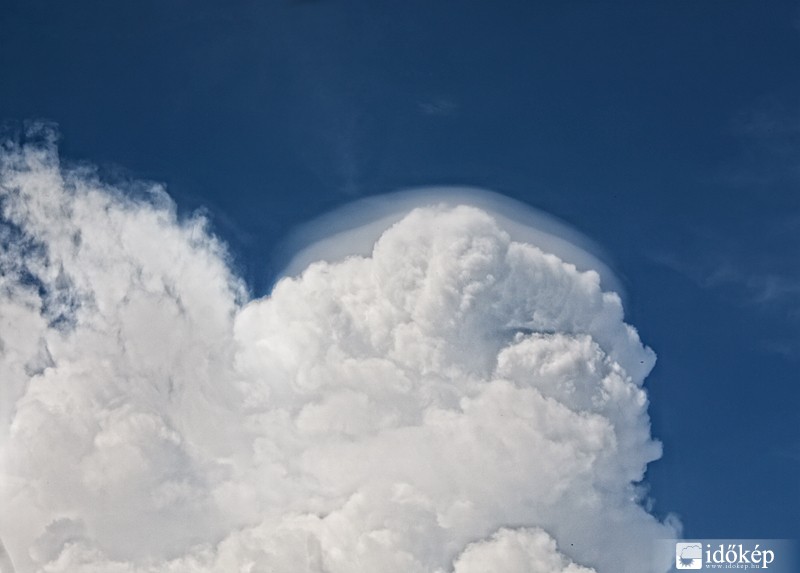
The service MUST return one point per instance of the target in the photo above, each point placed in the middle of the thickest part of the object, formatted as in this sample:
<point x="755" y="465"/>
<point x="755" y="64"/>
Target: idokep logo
<point x="739" y="555"/>
<point x="774" y="555"/>
<point x="689" y="555"/>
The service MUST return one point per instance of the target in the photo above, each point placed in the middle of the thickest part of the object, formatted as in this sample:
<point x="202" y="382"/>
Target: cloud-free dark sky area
<point x="667" y="132"/>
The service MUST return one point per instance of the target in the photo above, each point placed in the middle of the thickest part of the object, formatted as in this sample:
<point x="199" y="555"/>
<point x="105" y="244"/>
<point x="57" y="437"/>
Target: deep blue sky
<point x="669" y="132"/>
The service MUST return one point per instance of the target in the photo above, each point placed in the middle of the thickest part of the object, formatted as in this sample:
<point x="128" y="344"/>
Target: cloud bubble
<point x="354" y="228"/>
<point x="453" y="400"/>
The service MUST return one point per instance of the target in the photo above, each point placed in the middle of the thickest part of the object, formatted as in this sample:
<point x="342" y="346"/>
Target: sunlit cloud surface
<point x="451" y="399"/>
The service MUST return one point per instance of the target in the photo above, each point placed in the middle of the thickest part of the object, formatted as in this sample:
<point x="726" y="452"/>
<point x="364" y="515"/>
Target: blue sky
<point x="667" y="132"/>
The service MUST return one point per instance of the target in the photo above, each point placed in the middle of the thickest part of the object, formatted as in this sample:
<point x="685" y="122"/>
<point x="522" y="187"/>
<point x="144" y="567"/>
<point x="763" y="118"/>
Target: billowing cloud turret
<point x="455" y="401"/>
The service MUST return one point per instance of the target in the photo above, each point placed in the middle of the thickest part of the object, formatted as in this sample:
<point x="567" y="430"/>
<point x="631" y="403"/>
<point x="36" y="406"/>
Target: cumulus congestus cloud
<point x="456" y="401"/>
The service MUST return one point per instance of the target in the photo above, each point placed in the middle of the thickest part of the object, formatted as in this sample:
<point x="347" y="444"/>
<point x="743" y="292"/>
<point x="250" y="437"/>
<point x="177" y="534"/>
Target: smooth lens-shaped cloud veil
<point x="453" y="401"/>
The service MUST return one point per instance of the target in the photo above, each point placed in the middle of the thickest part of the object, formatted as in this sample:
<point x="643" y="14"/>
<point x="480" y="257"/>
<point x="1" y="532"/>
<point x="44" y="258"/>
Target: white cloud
<point x="354" y="228"/>
<point x="454" y="401"/>
<point x="516" y="551"/>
